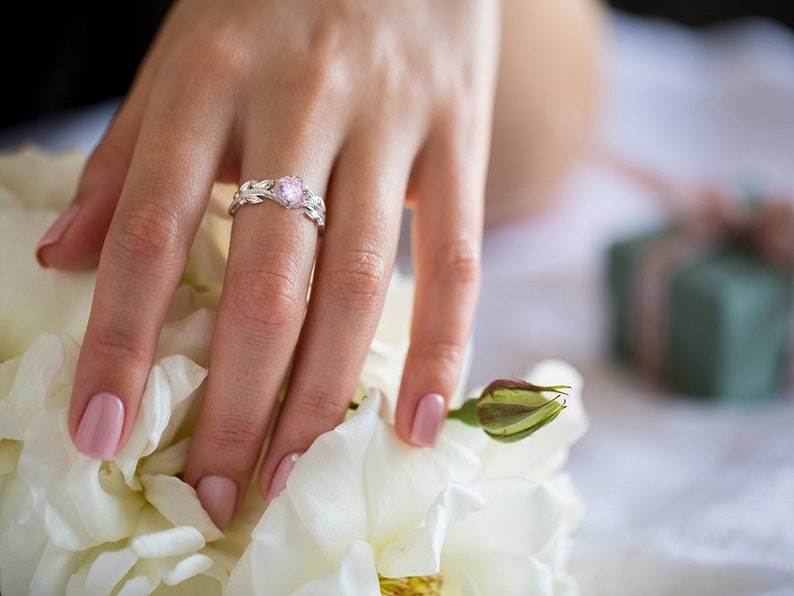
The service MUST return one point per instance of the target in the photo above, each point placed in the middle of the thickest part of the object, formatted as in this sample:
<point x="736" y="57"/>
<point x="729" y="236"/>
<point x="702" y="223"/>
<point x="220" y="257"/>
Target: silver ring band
<point x="288" y="191"/>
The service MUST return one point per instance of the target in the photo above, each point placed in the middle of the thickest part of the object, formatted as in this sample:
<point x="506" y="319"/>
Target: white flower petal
<point x="95" y="509"/>
<point x="326" y="485"/>
<point x="54" y="569"/>
<point x="393" y="502"/>
<point x="355" y="574"/>
<point x="170" y="382"/>
<point x="188" y="567"/>
<point x="168" y="461"/>
<point x="34" y="189"/>
<point x="139" y="585"/>
<point x="107" y="570"/>
<point x="418" y="551"/>
<point x="178" y="503"/>
<point x="513" y="505"/>
<point x="9" y="456"/>
<point x="21" y="547"/>
<point x="273" y="565"/>
<point x="168" y="543"/>
<point x="493" y="572"/>
<point x="31" y="382"/>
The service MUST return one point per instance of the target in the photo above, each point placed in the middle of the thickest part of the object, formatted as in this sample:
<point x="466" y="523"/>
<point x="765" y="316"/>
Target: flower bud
<point x="509" y="410"/>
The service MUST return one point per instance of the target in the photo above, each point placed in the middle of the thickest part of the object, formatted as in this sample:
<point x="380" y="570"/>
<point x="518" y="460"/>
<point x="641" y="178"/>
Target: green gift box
<point x="708" y="319"/>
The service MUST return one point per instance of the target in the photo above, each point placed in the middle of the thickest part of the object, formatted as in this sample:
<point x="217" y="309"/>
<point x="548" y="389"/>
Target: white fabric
<point x="681" y="497"/>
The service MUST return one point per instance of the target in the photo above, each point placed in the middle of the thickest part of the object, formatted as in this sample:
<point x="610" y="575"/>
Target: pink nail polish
<point x="100" y="427"/>
<point x="279" y="481"/>
<point x="218" y="495"/>
<point x="56" y="231"/>
<point x="428" y="418"/>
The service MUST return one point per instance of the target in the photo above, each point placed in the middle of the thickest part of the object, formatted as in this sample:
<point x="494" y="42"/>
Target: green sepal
<point x="467" y="413"/>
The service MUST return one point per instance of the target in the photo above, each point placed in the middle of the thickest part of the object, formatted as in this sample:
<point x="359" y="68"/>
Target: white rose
<point x="362" y="513"/>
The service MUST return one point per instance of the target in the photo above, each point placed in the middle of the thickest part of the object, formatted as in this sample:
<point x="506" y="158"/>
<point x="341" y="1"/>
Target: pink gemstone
<point x="290" y="191"/>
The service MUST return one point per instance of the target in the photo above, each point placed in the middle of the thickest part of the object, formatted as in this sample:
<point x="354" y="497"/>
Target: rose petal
<point x="170" y="382"/>
<point x="418" y="551"/>
<point x="355" y="574"/>
<point x="107" y="570"/>
<point x="402" y="482"/>
<point x="31" y="382"/>
<point x="188" y="567"/>
<point x="178" y="503"/>
<point x="274" y="565"/>
<point x="168" y="543"/>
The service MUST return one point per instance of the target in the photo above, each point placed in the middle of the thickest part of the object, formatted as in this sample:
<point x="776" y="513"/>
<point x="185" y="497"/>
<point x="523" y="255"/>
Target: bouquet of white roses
<point x="362" y="513"/>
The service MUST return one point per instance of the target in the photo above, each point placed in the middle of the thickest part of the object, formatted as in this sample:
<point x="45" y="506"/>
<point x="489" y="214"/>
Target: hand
<point x="372" y="107"/>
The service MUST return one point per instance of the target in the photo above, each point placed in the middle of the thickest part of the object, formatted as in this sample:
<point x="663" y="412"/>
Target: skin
<point x="376" y="109"/>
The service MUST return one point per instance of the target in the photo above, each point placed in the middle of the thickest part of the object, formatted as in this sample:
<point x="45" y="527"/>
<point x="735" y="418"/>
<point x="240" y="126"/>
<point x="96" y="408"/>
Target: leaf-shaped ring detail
<point x="288" y="191"/>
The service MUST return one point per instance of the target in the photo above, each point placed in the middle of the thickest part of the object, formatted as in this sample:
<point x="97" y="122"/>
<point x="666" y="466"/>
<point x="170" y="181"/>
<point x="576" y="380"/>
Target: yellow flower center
<point x="424" y="585"/>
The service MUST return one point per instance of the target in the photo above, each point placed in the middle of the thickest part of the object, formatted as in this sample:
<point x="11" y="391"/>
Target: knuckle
<point x="120" y="347"/>
<point x="443" y="355"/>
<point x="266" y="297"/>
<point x="235" y="434"/>
<point x="322" y="408"/>
<point x="458" y="264"/>
<point x="359" y="279"/>
<point x="148" y="230"/>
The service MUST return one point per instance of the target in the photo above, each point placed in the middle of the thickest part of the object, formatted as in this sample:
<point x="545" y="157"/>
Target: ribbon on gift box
<point x="703" y="220"/>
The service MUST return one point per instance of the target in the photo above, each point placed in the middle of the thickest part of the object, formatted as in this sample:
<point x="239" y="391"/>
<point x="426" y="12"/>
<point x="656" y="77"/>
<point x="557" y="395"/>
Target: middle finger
<point x="271" y="256"/>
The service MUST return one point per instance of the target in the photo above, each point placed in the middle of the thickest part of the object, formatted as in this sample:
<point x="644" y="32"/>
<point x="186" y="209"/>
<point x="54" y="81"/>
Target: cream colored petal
<point x="486" y="572"/>
<point x="140" y="585"/>
<point x="273" y="564"/>
<point x="519" y="517"/>
<point x="40" y="179"/>
<point x="37" y="300"/>
<point x="418" y="551"/>
<point x="29" y="379"/>
<point x="178" y="503"/>
<point x="189" y="567"/>
<point x="518" y="539"/>
<point x="106" y="572"/>
<point x="54" y="569"/>
<point x="327" y="485"/>
<point x="355" y="574"/>
<point x="22" y="542"/>
<point x="171" y="381"/>
<point x="402" y="482"/>
<point x="168" y="543"/>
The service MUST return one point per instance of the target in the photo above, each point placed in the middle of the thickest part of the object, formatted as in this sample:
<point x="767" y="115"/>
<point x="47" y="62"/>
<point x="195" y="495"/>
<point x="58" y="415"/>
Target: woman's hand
<point x="372" y="105"/>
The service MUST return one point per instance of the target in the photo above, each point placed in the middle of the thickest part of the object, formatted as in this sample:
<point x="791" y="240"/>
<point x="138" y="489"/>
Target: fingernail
<point x="218" y="495"/>
<point x="428" y="418"/>
<point x="100" y="427"/>
<point x="56" y="231"/>
<point x="279" y="481"/>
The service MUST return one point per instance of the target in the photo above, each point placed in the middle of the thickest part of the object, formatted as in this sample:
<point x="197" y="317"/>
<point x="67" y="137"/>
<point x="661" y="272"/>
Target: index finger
<point x="159" y="211"/>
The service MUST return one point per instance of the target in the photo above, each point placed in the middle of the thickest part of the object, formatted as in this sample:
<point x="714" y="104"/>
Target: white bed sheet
<point x="680" y="497"/>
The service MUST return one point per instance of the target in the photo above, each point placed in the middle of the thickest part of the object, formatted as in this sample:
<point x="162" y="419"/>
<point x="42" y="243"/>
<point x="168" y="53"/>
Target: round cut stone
<point x="290" y="191"/>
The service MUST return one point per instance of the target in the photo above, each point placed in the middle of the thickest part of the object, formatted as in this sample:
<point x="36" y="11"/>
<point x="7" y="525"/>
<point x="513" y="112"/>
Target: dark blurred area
<point x="706" y="13"/>
<point x="61" y="56"/>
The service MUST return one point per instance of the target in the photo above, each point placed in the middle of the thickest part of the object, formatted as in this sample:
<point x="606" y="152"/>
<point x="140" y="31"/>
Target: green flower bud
<point x="509" y="410"/>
